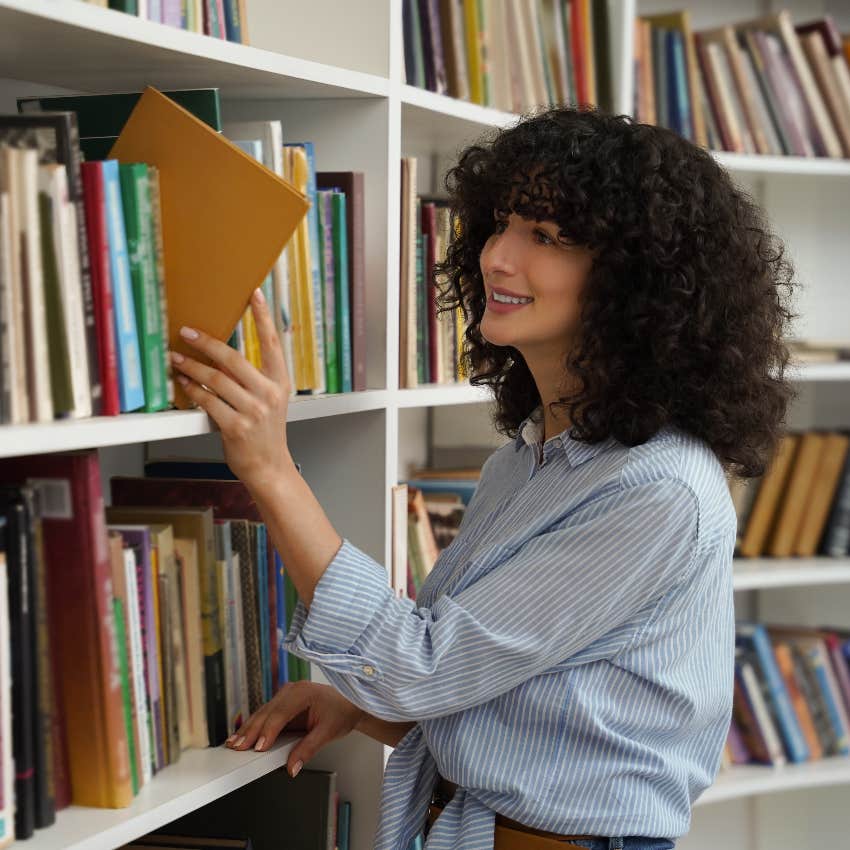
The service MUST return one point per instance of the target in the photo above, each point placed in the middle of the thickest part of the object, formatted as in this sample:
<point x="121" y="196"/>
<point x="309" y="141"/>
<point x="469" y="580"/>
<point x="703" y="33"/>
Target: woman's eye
<point x="500" y="226"/>
<point x="543" y="237"/>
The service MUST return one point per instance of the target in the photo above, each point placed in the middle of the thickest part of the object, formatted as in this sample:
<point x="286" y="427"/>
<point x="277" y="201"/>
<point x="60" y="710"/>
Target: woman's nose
<point x="499" y="254"/>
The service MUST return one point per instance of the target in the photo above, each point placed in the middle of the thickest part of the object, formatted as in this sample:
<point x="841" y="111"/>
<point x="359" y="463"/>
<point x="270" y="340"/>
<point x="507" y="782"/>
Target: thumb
<point x="306" y="748"/>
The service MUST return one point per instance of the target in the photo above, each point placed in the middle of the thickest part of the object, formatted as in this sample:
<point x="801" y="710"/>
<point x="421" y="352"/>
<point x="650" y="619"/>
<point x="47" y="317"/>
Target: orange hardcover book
<point x="821" y="494"/>
<point x="771" y="490"/>
<point x="797" y="495"/>
<point x="225" y="216"/>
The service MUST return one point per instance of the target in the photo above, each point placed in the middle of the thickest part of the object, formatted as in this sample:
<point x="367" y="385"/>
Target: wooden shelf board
<point x="200" y="777"/>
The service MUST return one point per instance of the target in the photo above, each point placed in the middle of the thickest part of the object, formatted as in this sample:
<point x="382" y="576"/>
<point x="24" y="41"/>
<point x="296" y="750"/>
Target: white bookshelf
<point x="200" y="777"/>
<point x="333" y="72"/>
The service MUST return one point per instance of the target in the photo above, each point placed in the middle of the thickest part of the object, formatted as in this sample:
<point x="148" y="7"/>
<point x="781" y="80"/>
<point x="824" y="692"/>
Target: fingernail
<point x="258" y="296"/>
<point x="188" y="333"/>
<point x="260" y="743"/>
<point x="231" y="739"/>
<point x="296" y="768"/>
<point x="183" y="380"/>
<point x="239" y="741"/>
<point x="176" y="357"/>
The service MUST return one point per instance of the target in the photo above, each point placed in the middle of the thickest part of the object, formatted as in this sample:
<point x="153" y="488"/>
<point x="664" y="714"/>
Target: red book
<point x="577" y="48"/>
<point x="95" y="208"/>
<point x="82" y="630"/>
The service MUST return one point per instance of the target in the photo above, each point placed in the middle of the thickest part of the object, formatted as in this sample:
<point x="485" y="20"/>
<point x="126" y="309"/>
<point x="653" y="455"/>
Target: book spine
<point x="761" y="710"/>
<point x="135" y="198"/>
<point x="282" y="661"/>
<point x="271" y="613"/>
<point x="343" y="291"/>
<point x="45" y="774"/>
<point x="836" y="538"/>
<point x="811" y="691"/>
<point x="329" y="311"/>
<point x="233" y="21"/>
<point x="313" y="223"/>
<point x="429" y="230"/>
<point x="95" y="211"/>
<point x="7" y="765"/>
<point x="263" y="608"/>
<point x="126" y="332"/>
<point x="225" y="623"/>
<point x="121" y="641"/>
<point x="818" y="664"/>
<point x="136" y="659"/>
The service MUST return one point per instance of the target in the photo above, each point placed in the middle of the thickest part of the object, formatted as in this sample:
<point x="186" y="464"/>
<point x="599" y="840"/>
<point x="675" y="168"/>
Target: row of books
<point x="792" y="695"/>
<point x="134" y="631"/>
<point x="760" y="86"/>
<point x="84" y="248"/>
<point x="801" y="506"/>
<point x="226" y="19"/>
<point x="427" y="512"/>
<point x="513" y="55"/>
<point x="430" y="341"/>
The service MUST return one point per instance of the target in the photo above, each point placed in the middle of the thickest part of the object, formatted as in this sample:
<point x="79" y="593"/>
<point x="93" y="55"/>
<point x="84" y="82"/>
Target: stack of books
<point x="760" y="86"/>
<point x="513" y="55"/>
<point x="430" y="340"/>
<point x="163" y="630"/>
<point x="226" y="19"/>
<point x="792" y="695"/>
<point x="801" y="506"/>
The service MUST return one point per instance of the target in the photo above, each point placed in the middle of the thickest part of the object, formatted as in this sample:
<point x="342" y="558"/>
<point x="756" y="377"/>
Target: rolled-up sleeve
<point x="552" y="598"/>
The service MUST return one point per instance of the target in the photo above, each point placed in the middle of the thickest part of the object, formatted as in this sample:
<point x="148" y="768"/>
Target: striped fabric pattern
<point x="569" y="660"/>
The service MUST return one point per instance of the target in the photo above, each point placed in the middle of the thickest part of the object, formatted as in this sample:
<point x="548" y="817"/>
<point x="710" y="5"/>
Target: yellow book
<point x="473" y="51"/>
<point x="225" y="216"/>
<point x="252" y="339"/>
<point x="301" y="283"/>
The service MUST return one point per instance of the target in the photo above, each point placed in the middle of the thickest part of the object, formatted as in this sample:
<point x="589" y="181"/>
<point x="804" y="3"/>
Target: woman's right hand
<point x="327" y="716"/>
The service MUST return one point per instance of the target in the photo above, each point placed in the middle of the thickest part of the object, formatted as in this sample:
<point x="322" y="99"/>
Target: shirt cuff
<point x="350" y="594"/>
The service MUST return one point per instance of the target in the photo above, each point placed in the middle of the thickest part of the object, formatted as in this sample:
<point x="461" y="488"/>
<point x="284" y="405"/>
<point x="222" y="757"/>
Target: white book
<point x="25" y="175"/>
<point x="7" y="325"/>
<point x="225" y="623"/>
<point x="136" y="666"/>
<point x="7" y="766"/>
<point x="270" y="135"/>
<point x="54" y="181"/>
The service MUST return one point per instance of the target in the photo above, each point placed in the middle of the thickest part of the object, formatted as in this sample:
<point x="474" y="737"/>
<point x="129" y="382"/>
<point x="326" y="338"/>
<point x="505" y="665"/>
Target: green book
<point x="343" y="307"/>
<point x="129" y="6"/>
<point x="100" y="115"/>
<point x="57" y="330"/>
<point x="327" y="268"/>
<point x="123" y="672"/>
<point x="138" y="223"/>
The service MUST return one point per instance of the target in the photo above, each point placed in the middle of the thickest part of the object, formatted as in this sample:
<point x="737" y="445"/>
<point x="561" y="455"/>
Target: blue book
<point x="678" y="74"/>
<point x="754" y="636"/>
<point x="313" y="227"/>
<point x="282" y="654"/>
<point x="130" y="387"/>
<point x="818" y="658"/>
<point x="233" y="21"/>
<point x="263" y="601"/>
<point x="343" y="307"/>
<point x="463" y="488"/>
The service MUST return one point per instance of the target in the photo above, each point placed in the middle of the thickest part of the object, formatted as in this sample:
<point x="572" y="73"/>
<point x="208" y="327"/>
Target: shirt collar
<point x="530" y="433"/>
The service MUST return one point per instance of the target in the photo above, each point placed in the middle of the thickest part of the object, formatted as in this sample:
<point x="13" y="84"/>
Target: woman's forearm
<point x="299" y="527"/>
<point x="383" y="730"/>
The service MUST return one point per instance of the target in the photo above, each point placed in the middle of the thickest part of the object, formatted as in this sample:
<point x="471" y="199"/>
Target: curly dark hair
<point x="687" y="304"/>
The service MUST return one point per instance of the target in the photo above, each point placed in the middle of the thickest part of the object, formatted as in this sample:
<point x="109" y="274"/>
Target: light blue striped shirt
<point x="569" y="660"/>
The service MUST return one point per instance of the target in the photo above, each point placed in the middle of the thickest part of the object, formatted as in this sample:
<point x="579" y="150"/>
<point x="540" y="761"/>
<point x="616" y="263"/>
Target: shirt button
<point x="368" y="669"/>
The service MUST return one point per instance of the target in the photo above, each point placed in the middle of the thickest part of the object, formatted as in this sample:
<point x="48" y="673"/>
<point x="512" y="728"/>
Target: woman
<point x="565" y="676"/>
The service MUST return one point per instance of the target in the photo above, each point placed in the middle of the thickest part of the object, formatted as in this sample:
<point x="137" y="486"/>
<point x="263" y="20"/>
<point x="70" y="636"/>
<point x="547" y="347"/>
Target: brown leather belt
<point x="510" y="834"/>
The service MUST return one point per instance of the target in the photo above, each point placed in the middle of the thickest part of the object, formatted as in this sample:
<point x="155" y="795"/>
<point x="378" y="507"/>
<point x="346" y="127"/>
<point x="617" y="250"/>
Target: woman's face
<point x="524" y="259"/>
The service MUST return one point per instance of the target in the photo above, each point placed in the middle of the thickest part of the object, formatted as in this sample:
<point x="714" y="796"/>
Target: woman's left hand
<point x="248" y="405"/>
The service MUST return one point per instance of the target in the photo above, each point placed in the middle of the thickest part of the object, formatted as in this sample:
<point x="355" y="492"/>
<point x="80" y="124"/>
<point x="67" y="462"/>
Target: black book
<point x="14" y="507"/>
<point x="58" y="140"/>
